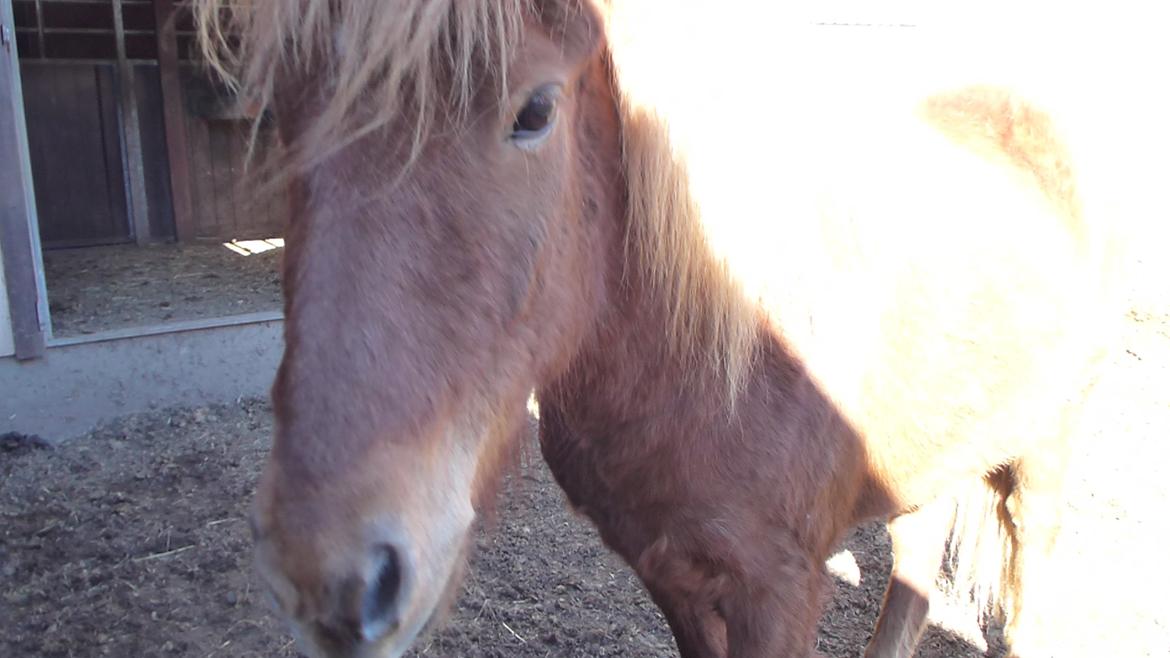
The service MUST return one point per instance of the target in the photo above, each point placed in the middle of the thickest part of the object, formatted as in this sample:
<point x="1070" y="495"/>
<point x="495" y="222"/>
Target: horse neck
<point x="629" y="394"/>
<point x="627" y="372"/>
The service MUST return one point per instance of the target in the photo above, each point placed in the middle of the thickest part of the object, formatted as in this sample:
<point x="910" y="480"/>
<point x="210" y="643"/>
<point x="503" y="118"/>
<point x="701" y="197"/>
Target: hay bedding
<point x="123" y="286"/>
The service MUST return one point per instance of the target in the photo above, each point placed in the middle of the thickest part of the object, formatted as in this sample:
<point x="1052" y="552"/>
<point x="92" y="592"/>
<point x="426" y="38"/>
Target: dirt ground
<point x="131" y="542"/>
<point x="97" y="289"/>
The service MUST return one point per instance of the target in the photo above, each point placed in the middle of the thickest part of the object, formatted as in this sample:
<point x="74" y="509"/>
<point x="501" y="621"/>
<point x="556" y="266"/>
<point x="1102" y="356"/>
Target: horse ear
<point x="576" y="26"/>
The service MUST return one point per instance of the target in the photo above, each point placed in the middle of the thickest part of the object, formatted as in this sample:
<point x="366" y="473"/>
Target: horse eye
<point x="535" y="118"/>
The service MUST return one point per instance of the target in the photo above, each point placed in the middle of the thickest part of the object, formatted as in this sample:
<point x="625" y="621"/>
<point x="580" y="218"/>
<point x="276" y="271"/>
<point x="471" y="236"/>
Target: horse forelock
<point x="378" y="59"/>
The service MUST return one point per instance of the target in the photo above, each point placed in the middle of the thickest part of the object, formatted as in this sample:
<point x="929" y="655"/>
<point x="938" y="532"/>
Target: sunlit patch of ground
<point x="98" y="289"/>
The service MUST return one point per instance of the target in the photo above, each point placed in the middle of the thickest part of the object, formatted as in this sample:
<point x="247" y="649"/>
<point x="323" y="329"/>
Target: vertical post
<point x="40" y="29"/>
<point x="173" y="120"/>
<point x="132" y="135"/>
<point x="19" y="238"/>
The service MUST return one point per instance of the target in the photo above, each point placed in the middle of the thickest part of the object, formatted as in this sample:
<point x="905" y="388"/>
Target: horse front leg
<point x="774" y="614"/>
<point x="698" y="629"/>
<point x="919" y="539"/>
<point x="687" y="591"/>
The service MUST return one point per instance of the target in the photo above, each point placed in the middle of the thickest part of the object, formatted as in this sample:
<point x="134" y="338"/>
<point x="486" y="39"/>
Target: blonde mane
<point x="730" y="171"/>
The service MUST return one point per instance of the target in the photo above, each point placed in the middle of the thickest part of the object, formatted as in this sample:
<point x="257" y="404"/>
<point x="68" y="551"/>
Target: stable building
<point x="115" y="142"/>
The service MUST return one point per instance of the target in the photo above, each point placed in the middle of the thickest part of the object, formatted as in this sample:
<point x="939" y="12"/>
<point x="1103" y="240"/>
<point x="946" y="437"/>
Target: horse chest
<point x="618" y="485"/>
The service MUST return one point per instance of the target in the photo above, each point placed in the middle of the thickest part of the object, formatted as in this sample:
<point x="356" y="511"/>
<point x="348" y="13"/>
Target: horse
<point x="757" y="310"/>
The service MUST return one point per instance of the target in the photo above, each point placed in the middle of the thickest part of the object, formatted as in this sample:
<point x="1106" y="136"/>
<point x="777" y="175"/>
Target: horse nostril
<point x="380" y="603"/>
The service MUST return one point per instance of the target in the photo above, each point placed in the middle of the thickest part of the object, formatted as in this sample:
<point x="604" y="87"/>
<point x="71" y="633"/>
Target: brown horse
<point x="757" y="311"/>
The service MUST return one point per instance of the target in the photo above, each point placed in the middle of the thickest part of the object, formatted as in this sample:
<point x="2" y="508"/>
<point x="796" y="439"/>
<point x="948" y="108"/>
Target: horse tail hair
<point x="981" y="548"/>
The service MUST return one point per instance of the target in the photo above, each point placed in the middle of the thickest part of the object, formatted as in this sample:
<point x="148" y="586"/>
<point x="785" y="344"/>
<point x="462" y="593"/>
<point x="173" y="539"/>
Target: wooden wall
<point x="223" y="202"/>
<point x="78" y="154"/>
<point x="79" y="142"/>
<point x="74" y="147"/>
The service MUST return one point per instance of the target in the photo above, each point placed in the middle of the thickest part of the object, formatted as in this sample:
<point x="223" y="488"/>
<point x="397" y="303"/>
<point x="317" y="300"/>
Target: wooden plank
<point x="79" y="145"/>
<point x="111" y="143"/>
<point x="276" y="201"/>
<point x="76" y="153"/>
<point x="199" y="154"/>
<point x="86" y="16"/>
<point x="174" y="122"/>
<point x="154" y="151"/>
<point x="131" y="135"/>
<point x="18" y="239"/>
<point x="222" y="180"/>
<point x="38" y="91"/>
<point x="235" y="137"/>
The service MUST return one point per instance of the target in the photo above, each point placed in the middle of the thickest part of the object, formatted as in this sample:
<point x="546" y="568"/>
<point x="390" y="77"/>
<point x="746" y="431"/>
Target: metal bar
<point x="82" y="30"/>
<point x="41" y="28"/>
<point x="202" y="324"/>
<point x="50" y="61"/>
<point x="174" y="122"/>
<point x="131" y="136"/>
<point x="84" y="242"/>
<point x="19" y="239"/>
<point x="78" y="385"/>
